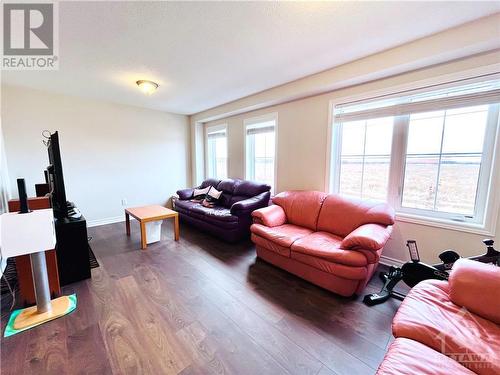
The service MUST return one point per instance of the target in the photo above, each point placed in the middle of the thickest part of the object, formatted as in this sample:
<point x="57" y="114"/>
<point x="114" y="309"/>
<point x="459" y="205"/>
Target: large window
<point x="428" y="153"/>
<point x="260" y="145"/>
<point x="216" y="142"/>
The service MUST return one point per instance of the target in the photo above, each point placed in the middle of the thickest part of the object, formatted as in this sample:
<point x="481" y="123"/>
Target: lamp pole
<point x="40" y="282"/>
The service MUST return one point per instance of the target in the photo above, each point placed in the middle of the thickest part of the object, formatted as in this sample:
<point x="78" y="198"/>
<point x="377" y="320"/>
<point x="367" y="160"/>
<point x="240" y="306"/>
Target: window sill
<point x="445" y="224"/>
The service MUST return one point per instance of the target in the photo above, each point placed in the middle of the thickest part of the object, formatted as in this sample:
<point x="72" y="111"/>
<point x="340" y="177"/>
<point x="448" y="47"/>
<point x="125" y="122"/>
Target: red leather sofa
<point x="331" y="241"/>
<point x="449" y="327"/>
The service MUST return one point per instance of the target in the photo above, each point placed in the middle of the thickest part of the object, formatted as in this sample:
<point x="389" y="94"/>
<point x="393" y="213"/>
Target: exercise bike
<point x="416" y="271"/>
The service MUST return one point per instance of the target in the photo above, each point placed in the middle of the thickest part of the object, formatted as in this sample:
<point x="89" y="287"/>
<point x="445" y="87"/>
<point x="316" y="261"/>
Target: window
<point x="260" y="144"/>
<point x="216" y="152"/>
<point x="428" y="153"/>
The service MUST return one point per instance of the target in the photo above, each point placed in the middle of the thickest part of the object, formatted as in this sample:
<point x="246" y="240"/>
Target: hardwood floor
<point x="199" y="306"/>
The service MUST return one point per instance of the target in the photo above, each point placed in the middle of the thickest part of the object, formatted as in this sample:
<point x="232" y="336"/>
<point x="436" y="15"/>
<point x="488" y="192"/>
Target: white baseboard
<point x="108" y="220"/>
<point x="388" y="261"/>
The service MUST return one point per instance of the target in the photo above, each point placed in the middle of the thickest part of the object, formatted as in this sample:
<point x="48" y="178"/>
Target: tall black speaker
<point x="72" y="250"/>
<point x="23" y="197"/>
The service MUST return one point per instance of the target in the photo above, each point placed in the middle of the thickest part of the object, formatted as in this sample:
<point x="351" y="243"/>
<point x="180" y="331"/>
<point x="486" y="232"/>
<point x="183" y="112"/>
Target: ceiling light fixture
<point x="148" y="87"/>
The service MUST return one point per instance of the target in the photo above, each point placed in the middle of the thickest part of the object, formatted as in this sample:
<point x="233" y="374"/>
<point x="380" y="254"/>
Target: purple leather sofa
<point x="230" y="220"/>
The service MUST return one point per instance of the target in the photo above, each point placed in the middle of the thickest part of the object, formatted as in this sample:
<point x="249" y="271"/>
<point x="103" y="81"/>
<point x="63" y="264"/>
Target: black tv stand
<point x="72" y="249"/>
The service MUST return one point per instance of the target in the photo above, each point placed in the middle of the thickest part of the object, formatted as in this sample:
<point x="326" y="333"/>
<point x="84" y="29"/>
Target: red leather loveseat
<point x="331" y="241"/>
<point x="449" y="327"/>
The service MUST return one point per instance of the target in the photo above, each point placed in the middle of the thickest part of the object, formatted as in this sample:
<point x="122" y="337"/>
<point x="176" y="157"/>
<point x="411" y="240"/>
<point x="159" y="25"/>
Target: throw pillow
<point x="200" y="194"/>
<point x="212" y="197"/>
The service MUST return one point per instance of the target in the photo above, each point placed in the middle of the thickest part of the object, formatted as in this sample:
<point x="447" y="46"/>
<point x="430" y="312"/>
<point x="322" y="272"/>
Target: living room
<point x="250" y="187"/>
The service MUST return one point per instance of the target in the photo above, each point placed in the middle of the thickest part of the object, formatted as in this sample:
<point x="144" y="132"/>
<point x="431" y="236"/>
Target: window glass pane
<point x="375" y="177"/>
<point x="464" y="130"/>
<point x="379" y="136"/>
<point x="351" y="169"/>
<point x="221" y="158"/>
<point x="353" y="138"/>
<point x="458" y="180"/>
<point x="425" y="130"/>
<point x="420" y="182"/>
<point x="217" y="155"/>
<point x="365" y="158"/>
<point x="443" y="160"/>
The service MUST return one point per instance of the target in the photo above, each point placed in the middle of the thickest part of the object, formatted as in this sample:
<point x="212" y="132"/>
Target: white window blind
<point x="217" y="134"/>
<point x="465" y="96"/>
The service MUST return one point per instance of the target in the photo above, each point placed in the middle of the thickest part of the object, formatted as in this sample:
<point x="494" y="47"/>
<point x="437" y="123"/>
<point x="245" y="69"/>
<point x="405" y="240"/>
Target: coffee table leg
<point x="176" y="227"/>
<point x="127" y="223"/>
<point x="144" y="243"/>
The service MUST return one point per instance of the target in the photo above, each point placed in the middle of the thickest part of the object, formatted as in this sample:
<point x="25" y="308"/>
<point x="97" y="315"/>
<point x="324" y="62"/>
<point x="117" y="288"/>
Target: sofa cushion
<point x="270" y="245"/>
<point x="215" y="213"/>
<point x="247" y="206"/>
<point x="250" y="188"/>
<point x="283" y="235"/>
<point x="411" y="357"/>
<point x="469" y="280"/>
<point x="227" y="187"/>
<point x="327" y="246"/>
<point x="341" y="215"/>
<point x="368" y="237"/>
<point x="337" y="269"/>
<point x="185" y="193"/>
<point x="301" y="207"/>
<point x="427" y="315"/>
<point x="209" y="182"/>
<point x="185" y="205"/>
<point x="270" y="216"/>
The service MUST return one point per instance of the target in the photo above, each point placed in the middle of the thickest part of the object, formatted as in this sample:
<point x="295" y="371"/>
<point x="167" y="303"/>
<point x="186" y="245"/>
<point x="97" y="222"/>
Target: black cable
<point x="12" y="294"/>
<point x="46" y="134"/>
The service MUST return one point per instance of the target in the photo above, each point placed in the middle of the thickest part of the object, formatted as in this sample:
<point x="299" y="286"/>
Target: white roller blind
<point x="408" y="103"/>
<point x="260" y="130"/>
<point x="217" y="134"/>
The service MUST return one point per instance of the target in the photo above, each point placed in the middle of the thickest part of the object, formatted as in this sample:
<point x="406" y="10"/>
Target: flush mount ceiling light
<point x="148" y="87"/>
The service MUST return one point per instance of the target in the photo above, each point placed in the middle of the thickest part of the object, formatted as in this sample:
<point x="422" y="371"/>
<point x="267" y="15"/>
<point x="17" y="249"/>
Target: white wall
<point x="303" y="133"/>
<point x="4" y="175"/>
<point x="109" y="151"/>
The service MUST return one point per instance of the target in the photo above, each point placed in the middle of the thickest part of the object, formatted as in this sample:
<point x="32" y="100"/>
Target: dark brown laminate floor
<point x="199" y="306"/>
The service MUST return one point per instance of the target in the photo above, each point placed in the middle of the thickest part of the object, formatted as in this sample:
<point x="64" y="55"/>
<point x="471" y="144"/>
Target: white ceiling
<point x="204" y="54"/>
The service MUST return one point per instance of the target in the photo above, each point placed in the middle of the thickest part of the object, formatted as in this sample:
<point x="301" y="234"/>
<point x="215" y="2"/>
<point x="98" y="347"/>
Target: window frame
<point x="213" y="129"/>
<point x="488" y="200"/>
<point x="256" y="120"/>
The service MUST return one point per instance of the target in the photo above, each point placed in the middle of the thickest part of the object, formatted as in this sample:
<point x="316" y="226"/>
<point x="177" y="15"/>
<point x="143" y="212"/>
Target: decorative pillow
<point x="200" y="194"/>
<point x="212" y="197"/>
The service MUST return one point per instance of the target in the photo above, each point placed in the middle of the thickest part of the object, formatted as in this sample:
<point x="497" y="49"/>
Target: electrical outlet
<point x="124" y="201"/>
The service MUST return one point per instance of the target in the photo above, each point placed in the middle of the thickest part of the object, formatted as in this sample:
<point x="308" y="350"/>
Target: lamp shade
<point x="22" y="234"/>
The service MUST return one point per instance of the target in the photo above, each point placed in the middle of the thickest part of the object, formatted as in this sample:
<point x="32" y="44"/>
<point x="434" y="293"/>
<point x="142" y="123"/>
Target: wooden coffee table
<point x="146" y="214"/>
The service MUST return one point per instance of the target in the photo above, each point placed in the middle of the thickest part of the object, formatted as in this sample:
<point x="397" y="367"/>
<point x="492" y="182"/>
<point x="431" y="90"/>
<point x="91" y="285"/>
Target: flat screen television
<point x="55" y="178"/>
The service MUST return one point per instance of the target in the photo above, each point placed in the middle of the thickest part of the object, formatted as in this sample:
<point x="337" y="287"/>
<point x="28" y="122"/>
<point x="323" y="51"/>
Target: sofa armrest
<point x="367" y="236"/>
<point x="185" y="194"/>
<point x="475" y="286"/>
<point x="271" y="216"/>
<point x="248" y="205"/>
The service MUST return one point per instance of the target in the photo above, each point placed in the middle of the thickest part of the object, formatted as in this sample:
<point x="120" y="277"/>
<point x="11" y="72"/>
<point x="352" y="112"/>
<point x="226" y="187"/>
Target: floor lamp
<point x="32" y="232"/>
